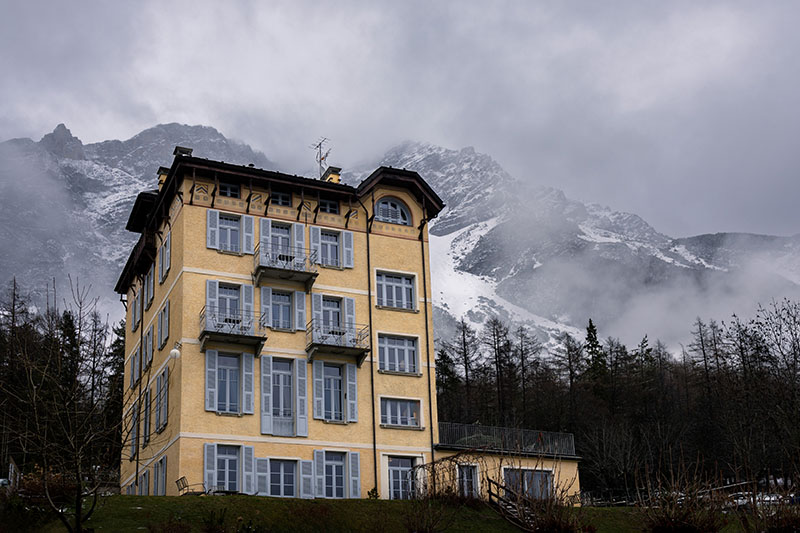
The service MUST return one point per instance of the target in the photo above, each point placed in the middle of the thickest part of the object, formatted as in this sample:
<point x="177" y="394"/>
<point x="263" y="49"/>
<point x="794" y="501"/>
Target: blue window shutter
<point x="299" y="310"/>
<point x="307" y="479"/>
<point x="163" y="475"/>
<point x="352" y="393"/>
<point x="316" y="316"/>
<point x="146" y="417"/>
<point x="138" y="363"/>
<point x="266" y="395"/>
<point x="262" y="476"/>
<point x="355" y="474"/>
<point x="265" y="238"/>
<point x="266" y="307"/>
<point x="319" y="392"/>
<point x="248" y="467"/>
<point x="248" y="234"/>
<point x="212" y="229"/>
<point x="319" y="472"/>
<point x="158" y="402"/>
<point x="210" y="466"/>
<point x="212" y="304"/>
<point x="314" y="232"/>
<point x="248" y="314"/>
<point x="350" y="320"/>
<point x="347" y="237"/>
<point x="166" y="322"/>
<point x="301" y="412"/>
<point x="161" y="264"/>
<point x="247" y="382"/>
<point x="167" y="253"/>
<point x="165" y="399"/>
<point x="156" y="479"/>
<point x="211" y="380"/>
<point x="299" y="236"/>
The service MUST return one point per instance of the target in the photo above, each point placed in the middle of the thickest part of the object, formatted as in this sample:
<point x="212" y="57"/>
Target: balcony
<point x="287" y="263"/>
<point x="352" y="340"/>
<point x="223" y="325"/>
<point x="454" y="436"/>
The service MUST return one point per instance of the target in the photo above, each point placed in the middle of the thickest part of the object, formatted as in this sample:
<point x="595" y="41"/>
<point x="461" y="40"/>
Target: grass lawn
<point x="140" y="513"/>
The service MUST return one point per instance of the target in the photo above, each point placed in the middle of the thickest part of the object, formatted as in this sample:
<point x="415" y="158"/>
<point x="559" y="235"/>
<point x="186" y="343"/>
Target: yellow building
<point x="279" y="334"/>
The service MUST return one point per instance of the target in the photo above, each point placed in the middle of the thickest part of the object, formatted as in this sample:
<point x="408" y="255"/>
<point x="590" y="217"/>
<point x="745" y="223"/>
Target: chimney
<point x="180" y="150"/>
<point x="332" y="174"/>
<point x="162" y="176"/>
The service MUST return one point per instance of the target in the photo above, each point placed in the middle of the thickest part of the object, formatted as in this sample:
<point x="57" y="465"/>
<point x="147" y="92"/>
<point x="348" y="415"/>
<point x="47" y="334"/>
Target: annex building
<point x="279" y="342"/>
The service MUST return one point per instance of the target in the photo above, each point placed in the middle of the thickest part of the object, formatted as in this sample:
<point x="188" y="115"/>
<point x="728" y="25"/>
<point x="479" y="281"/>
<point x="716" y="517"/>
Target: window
<point x="329" y="248"/>
<point x="163" y="325"/>
<point x="468" y="481"/>
<point x="146" y="418"/>
<point x="393" y="211"/>
<point x="228" y="384"/>
<point x="282" y="398"/>
<point x="334" y="474"/>
<point x="147" y="352"/>
<point x="227" y="468"/>
<point x="164" y="260"/>
<point x="144" y="483"/>
<point x="281" y="239"/>
<point x="229" y="189"/>
<point x="404" y="413"/>
<point x="162" y="399"/>
<point x="401" y="485"/>
<point x="395" y="290"/>
<point x="535" y="484"/>
<point x="229" y="305"/>
<point x="149" y="286"/>
<point x="229" y="239"/>
<point x="333" y="393"/>
<point x="135" y="366"/>
<point x="134" y="430"/>
<point x="282" y="475"/>
<point x="136" y="311"/>
<point x="160" y="477"/>
<point x="397" y="354"/>
<point x="281" y="198"/>
<point x="281" y="310"/>
<point x="329" y="206"/>
<point x="332" y="315"/>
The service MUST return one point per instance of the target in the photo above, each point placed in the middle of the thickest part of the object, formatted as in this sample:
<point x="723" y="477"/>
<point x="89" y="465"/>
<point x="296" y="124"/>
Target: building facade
<point x="279" y="333"/>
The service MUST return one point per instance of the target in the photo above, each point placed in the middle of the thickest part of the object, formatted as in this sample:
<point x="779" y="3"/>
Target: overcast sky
<point x="684" y="113"/>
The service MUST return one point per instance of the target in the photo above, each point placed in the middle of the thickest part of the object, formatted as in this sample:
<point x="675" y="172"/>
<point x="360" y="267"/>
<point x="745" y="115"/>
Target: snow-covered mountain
<point x="502" y="246"/>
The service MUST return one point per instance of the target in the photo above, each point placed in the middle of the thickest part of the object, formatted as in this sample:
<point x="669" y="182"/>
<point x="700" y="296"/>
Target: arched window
<point x="392" y="210"/>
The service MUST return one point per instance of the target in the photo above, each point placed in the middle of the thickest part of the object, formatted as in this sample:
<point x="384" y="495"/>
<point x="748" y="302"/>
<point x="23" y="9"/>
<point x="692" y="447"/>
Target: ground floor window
<point x="227" y="468"/>
<point x="535" y="484"/>
<point x="334" y="474"/>
<point x="468" y="481"/>
<point x="401" y="483"/>
<point x="282" y="475"/>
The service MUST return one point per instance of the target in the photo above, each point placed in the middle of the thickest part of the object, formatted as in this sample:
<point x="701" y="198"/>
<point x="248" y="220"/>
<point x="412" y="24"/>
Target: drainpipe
<point x="427" y="332"/>
<point x="371" y="350"/>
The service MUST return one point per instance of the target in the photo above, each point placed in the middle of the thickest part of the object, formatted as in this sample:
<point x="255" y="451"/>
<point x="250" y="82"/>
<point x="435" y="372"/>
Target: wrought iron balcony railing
<point x="501" y="439"/>
<point x="280" y="257"/>
<point x="351" y="336"/>
<point x="223" y="321"/>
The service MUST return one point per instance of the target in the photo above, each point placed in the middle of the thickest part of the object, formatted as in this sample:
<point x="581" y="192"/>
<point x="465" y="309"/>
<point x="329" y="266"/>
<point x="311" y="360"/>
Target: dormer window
<point x="393" y="211"/>
<point x="281" y="198"/>
<point x="229" y="190"/>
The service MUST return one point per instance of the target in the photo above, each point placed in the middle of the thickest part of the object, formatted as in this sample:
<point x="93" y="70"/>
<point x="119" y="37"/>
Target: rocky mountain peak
<point x="60" y="142"/>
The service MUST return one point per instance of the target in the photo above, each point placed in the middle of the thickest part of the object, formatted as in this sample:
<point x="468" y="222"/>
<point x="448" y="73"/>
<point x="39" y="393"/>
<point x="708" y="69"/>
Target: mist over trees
<point x="726" y="404"/>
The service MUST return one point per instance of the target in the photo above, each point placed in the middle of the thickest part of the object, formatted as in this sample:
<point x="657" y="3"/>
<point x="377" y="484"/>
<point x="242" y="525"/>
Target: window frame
<point x="476" y="481"/>
<point x="404" y="281"/>
<point x="229" y="373"/>
<point x="282" y="481"/>
<point x="410" y="482"/>
<point x="383" y="356"/>
<point x="388" y="420"/>
<point x="402" y="208"/>
<point x="324" y="260"/>
<point x="226" y="189"/>
<point x="328" y="393"/>
<point x="237" y="468"/>
<point x="344" y="475"/>
<point x="281" y="198"/>
<point x="228" y="247"/>
<point x="329" y="206"/>
<point x="523" y="478"/>
<point x="288" y="326"/>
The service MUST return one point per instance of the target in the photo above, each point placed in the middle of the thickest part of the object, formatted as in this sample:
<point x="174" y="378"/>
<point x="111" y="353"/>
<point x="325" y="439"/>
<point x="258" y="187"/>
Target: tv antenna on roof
<point x="321" y="156"/>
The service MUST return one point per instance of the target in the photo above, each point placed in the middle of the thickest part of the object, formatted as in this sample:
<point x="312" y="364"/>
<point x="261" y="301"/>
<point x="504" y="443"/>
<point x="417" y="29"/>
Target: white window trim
<point x="398" y="199"/>
<point x="415" y="297"/>
<point x="420" y="364"/>
<point x="385" y="492"/>
<point x="477" y="478"/>
<point x="422" y="424"/>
